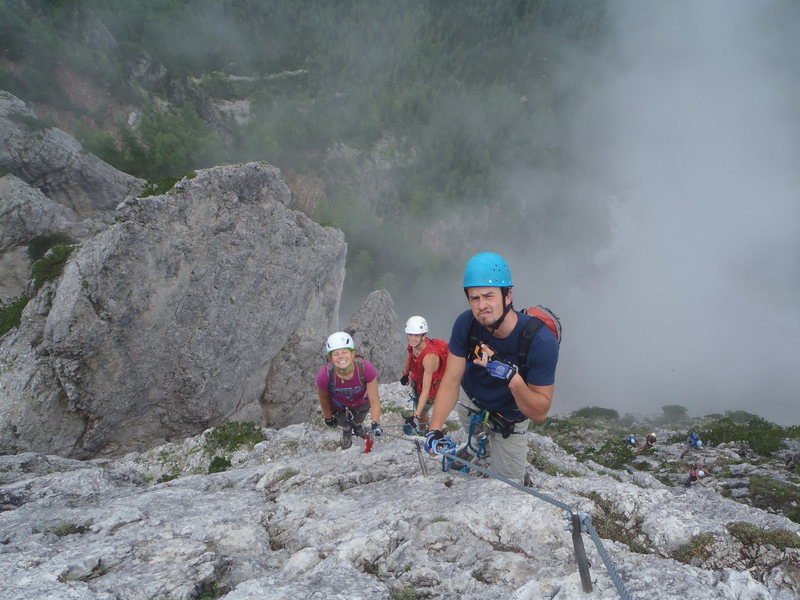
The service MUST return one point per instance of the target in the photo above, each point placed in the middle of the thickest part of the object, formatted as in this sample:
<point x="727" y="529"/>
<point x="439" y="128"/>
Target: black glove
<point x="431" y="439"/>
<point x="501" y="370"/>
<point x="377" y="430"/>
<point x="331" y="422"/>
<point x="404" y="379"/>
<point x="413" y="421"/>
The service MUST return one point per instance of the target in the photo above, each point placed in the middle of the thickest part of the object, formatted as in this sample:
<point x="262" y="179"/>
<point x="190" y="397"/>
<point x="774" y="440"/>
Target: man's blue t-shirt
<point x="490" y="392"/>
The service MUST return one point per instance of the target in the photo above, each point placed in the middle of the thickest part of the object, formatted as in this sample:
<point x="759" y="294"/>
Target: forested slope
<point x="386" y="117"/>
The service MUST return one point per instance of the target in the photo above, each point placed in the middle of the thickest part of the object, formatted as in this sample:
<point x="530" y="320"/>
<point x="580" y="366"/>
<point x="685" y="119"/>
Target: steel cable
<point x="585" y="519"/>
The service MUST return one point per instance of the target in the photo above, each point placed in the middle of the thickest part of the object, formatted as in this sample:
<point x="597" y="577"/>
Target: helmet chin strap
<point x="494" y="326"/>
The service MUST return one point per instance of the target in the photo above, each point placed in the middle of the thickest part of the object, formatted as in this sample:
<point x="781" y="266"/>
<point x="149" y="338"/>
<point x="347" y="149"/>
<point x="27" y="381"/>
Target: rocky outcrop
<point x="376" y="334"/>
<point x="193" y="308"/>
<point x="55" y="163"/>
<point x="25" y="213"/>
<point x="296" y="517"/>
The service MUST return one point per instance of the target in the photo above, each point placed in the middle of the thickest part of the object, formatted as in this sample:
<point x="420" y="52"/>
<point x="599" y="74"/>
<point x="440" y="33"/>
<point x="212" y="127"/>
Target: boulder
<point x="200" y="306"/>
<point x="377" y="335"/>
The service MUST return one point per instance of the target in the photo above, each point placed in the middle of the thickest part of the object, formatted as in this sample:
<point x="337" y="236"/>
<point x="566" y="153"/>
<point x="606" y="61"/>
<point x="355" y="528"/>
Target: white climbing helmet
<point x="416" y="325"/>
<point x="340" y="339"/>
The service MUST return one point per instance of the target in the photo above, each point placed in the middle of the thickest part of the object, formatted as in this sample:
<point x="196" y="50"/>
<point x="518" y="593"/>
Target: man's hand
<point x="413" y="422"/>
<point x="377" y="430"/>
<point x="432" y="440"/>
<point x="502" y="370"/>
<point x="404" y="379"/>
<point x="331" y="422"/>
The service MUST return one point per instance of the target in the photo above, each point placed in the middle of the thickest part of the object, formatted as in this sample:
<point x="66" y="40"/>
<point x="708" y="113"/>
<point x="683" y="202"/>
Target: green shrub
<point x="612" y="454"/>
<point x="51" y="265"/>
<point x="211" y="592"/>
<point x="673" y="413"/>
<point x="407" y="593"/>
<point x="228" y="437"/>
<point x="695" y="548"/>
<point x="611" y="524"/>
<point x="596" y="412"/>
<point x="761" y="435"/>
<point x="162" y="186"/>
<point x="11" y="312"/>
<point x="219" y="464"/>
<point x="751" y="535"/>
<point x="39" y="245"/>
<point x="554" y="425"/>
<point x="66" y="528"/>
<point x="539" y="461"/>
<point x="768" y="493"/>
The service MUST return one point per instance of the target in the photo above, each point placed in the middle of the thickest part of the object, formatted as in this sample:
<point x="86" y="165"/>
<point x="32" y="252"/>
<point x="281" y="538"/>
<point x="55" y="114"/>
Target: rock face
<point x="193" y="308"/>
<point x="376" y="334"/>
<point x="25" y="213"/>
<point x="54" y="162"/>
<point x="296" y="517"/>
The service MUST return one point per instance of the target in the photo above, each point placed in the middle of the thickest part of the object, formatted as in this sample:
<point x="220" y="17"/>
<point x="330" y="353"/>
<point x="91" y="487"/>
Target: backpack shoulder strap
<point x="361" y="370"/>
<point x="524" y="344"/>
<point x="473" y="339"/>
<point x="331" y="380"/>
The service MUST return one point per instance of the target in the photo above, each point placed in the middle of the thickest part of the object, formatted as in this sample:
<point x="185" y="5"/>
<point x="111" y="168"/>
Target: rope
<point x="585" y="519"/>
<point x="616" y="578"/>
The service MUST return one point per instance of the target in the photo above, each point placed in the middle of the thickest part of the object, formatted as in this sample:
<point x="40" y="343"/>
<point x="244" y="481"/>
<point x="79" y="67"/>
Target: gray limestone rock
<point x="25" y="212"/>
<point x="378" y="336"/>
<point x="197" y="307"/>
<point x="297" y="517"/>
<point x="54" y="162"/>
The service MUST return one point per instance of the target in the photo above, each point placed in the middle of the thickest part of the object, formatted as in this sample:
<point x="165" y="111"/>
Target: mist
<point x="657" y="213"/>
<point x="684" y="133"/>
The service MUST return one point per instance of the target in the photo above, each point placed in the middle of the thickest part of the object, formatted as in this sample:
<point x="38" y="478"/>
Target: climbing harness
<point x="358" y="429"/>
<point x="494" y="421"/>
<point x="478" y="419"/>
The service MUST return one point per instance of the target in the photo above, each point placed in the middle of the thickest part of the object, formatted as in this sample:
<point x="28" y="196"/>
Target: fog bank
<point x="685" y="140"/>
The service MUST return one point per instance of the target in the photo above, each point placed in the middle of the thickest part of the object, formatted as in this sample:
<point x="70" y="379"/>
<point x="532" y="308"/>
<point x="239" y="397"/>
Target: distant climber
<point x="696" y="474"/>
<point x="631" y="441"/>
<point x="693" y="442"/>
<point x="650" y="440"/>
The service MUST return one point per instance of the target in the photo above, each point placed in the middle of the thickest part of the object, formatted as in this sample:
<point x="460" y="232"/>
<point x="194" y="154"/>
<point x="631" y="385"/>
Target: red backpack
<point x="441" y="349"/>
<point x="438" y="347"/>
<point x="548" y="317"/>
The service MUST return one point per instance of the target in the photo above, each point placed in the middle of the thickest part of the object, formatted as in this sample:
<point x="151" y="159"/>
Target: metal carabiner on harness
<point x="483" y="437"/>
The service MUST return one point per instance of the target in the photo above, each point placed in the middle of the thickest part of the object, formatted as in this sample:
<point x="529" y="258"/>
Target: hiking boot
<point x="527" y="481"/>
<point x="347" y="438"/>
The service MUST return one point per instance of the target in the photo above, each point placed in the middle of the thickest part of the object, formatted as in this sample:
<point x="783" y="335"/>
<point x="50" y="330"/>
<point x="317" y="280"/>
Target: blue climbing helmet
<point x="487" y="269"/>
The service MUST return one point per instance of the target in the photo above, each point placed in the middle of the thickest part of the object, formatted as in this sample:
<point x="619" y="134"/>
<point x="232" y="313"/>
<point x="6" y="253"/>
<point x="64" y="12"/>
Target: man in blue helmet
<point x="488" y="371"/>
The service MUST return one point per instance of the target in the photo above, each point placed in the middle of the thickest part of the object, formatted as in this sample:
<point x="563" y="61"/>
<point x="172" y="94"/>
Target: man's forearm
<point x="533" y="401"/>
<point x="445" y="400"/>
